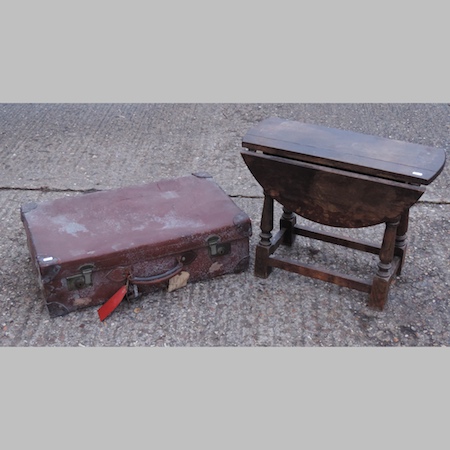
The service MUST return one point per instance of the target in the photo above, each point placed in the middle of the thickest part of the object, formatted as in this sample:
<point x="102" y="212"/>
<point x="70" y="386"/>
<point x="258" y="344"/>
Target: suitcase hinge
<point x="217" y="248"/>
<point x="81" y="280"/>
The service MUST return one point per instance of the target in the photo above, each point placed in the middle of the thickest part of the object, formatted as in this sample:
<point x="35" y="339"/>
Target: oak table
<point x="340" y="179"/>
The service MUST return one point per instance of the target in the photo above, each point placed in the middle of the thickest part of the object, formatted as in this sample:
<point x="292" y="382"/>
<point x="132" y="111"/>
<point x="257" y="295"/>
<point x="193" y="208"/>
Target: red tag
<point x="107" y="308"/>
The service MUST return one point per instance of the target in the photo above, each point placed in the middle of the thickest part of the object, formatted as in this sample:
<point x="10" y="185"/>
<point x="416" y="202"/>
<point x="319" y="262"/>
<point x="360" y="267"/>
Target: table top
<point x="357" y="152"/>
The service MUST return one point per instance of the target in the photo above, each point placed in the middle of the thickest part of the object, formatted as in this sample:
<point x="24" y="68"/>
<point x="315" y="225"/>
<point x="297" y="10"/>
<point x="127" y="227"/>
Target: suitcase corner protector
<point x="243" y="223"/>
<point x="27" y="207"/>
<point x="56" y="309"/>
<point x="242" y="265"/>
<point x="202" y="175"/>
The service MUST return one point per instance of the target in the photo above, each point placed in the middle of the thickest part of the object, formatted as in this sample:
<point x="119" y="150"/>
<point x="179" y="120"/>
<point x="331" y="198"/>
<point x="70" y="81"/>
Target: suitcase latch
<point x="82" y="279"/>
<point x="217" y="248"/>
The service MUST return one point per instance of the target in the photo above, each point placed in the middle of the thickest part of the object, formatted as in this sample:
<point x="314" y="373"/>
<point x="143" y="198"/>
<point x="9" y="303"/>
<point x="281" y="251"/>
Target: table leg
<point x="401" y="239"/>
<point x="262" y="269"/>
<point x="288" y="221"/>
<point x="383" y="277"/>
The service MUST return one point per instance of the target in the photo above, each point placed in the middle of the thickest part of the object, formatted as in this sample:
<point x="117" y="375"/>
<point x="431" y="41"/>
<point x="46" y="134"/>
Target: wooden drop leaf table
<point x="340" y="179"/>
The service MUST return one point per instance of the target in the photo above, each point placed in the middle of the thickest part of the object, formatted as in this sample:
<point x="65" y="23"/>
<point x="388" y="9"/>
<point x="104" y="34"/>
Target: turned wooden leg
<point x="262" y="269"/>
<point x="382" y="280"/>
<point x="401" y="243"/>
<point x="288" y="221"/>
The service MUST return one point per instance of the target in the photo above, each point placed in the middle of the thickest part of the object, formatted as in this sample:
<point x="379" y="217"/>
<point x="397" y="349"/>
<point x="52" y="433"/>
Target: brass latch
<point x="217" y="248"/>
<point x="82" y="279"/>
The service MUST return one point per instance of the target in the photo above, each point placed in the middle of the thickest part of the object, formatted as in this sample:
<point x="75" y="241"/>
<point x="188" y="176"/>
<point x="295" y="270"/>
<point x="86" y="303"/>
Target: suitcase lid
<point x="348" y="150"/>
<point x="160" y="214"/>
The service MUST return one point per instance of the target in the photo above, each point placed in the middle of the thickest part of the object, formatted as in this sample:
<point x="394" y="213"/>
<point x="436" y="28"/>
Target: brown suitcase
<point x="87" y="247"/>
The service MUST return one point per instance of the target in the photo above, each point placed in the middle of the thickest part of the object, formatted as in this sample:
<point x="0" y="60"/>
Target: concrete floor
<point x="50" y="151"/>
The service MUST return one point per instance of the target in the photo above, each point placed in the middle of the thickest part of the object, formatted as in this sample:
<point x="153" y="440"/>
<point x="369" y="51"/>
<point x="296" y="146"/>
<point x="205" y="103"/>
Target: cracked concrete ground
<point x="50" y="151"/>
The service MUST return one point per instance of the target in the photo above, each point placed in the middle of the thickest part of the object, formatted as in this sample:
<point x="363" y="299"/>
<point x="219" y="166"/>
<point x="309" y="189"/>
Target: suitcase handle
<point x="155" y="279"/>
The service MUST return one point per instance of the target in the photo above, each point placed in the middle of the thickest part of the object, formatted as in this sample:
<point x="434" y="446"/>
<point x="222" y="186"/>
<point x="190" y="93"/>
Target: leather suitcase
<point x="129" y="241"/>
